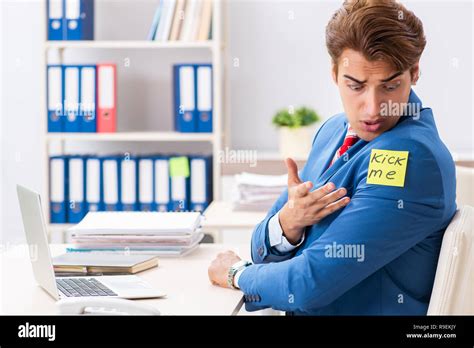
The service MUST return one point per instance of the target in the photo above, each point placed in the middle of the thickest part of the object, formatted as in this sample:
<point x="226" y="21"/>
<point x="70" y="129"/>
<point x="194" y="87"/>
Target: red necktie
<point x="350" y="139"/>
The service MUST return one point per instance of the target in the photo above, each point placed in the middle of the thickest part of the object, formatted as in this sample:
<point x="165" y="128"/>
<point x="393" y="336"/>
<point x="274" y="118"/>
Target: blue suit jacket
<point x="400" y="229"/>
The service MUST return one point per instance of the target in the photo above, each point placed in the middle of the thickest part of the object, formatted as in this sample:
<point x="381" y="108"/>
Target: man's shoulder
<point x="338" y="120"/>
<point x="331" y="125"/>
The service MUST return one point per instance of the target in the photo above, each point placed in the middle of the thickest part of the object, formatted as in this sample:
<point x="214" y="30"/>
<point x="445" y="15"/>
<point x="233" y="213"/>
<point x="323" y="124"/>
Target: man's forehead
<point x="360" y="64"/>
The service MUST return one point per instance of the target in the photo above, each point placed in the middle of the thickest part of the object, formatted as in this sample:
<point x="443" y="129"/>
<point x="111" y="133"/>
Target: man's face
<point x="371" y="93"/>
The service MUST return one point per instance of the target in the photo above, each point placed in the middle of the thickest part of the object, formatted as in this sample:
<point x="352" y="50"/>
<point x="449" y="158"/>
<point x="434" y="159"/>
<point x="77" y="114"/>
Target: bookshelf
<point x="127" y="44"/>
<point x="131" y="136"/>
<point x="215" y="47"/>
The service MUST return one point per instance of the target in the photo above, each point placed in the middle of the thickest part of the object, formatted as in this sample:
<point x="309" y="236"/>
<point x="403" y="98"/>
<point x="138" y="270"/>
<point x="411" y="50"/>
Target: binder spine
<point x="204" y="97"/>
<point x="72" y="96"/>
<point x="106" y="98"/>
<point x="55" y="96"/>
<point x="128" y="184"/>
<point x="55" y="13"/>
<point x="111" y="183"/>
<point x="88" y="100"/>
<point x="76" y="189"/>
<point x="94" y="191"/>
<point x="58" y="174"/>
<point x="184" y="98"/>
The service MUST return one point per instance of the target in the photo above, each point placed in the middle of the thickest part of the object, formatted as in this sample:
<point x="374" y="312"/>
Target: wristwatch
<point x="233" y="271"/>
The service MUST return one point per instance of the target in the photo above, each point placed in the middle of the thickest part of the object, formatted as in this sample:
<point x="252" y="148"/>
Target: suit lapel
<point x="326" y="175"/>
<point x="328" y="152"/>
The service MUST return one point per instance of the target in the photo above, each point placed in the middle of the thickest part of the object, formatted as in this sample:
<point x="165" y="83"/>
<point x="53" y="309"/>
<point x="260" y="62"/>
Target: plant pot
<point x="296" y="142"/>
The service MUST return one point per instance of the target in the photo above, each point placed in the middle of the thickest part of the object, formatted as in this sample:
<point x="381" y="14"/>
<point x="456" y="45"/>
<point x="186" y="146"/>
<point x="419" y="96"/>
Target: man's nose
<point x="372" y="106"/>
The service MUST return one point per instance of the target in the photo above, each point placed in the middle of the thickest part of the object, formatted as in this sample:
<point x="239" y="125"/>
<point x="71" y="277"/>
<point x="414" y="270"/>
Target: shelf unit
<point x="131" y="136"/>
<point x="216" y="47"/>
<point x="127" y="44"/>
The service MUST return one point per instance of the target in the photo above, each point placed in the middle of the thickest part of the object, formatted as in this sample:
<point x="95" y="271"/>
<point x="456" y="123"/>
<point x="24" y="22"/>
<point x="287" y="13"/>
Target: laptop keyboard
<point x="78" y="287"/>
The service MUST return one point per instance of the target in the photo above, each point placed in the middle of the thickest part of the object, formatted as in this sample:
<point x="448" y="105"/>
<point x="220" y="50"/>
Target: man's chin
<point x="368" y="136"/>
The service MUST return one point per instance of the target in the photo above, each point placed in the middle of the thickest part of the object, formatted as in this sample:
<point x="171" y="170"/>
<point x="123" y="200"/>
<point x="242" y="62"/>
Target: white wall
<point x="21" y="155"/>
<point x="282" y="61"/>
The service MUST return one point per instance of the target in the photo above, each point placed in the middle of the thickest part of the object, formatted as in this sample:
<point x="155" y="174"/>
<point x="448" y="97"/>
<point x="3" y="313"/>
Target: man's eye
<point x="355" y="87"/>
<point x="391" y="87"/>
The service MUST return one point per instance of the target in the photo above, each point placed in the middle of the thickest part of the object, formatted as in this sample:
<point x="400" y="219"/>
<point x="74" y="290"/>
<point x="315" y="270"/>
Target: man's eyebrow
<point x="392" y="77"/>
<point x="354" y="79"/>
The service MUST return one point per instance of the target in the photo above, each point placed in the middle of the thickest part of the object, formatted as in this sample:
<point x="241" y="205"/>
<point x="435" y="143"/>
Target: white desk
<point x="220" y="216"/>
<point x="185" y="280"/>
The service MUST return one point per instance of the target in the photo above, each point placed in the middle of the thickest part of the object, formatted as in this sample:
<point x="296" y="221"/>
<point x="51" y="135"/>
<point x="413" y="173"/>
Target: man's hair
<point x="379" y="30"/>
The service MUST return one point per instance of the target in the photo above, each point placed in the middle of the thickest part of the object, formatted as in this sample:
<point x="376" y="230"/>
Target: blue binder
<point x="111" y="183"/>
<point x="201" y="182"/>
<point x="55" y="92"/>
<point x="145" y="183"/>
<point x="79" y="19"/>
<point x="185" y="111"/>
<point x="55" y="12"/>
<point x="128" y="184"/>
<point x="161" y="184"/>
<point x="204" y="97"/>
<point x="93" y="181"/>
<point x="76" y="207"/>
<point x="179" y="176"/>
<point x="58" y="188"/>
<point x="88" y="99"/>
<point x="72" y="90"/>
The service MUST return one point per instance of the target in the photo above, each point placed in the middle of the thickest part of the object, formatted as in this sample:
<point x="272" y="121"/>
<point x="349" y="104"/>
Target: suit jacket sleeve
<point x="386" y="220"/>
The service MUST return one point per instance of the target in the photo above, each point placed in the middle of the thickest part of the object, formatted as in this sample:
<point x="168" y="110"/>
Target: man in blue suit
<point x="371" y="246"/>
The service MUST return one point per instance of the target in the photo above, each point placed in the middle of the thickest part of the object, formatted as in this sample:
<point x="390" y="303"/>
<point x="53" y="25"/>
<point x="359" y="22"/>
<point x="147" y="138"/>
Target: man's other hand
<point x="219" y="268"/>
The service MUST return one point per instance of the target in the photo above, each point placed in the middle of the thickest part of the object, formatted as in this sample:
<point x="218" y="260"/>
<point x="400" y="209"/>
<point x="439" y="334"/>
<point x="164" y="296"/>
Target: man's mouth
<point x="371" y="126"/>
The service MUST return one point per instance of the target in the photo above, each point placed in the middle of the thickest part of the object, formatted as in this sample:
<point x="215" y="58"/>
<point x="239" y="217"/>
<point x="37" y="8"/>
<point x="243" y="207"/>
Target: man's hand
<point x="305" y="208"/>
<point x="219" y="268"/>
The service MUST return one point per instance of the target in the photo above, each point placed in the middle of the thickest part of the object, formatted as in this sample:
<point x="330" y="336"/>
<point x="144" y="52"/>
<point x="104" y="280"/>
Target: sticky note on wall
<point x="387" y="167"/>
<point x="179" y="166"/>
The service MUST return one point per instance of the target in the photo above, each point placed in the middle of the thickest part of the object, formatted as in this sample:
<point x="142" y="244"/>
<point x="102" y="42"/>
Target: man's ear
<point x="334" y="72"/>
<point x="415" y="73"/>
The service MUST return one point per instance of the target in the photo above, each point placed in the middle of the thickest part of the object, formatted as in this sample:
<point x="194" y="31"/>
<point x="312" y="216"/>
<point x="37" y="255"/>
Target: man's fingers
<point x="331" y="208"/>
<point x="301" y="190"/>
<point x="292" y="167"/>
<point x="331" y="197"/>
<point x="322" y="191"/>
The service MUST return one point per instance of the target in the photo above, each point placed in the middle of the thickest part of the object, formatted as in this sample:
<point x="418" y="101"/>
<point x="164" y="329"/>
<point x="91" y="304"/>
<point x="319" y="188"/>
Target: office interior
<point x="266" y="57"/>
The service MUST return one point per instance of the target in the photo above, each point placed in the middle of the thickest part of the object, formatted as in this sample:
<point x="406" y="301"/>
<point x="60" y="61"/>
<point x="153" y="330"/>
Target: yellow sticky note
<point x="387" y="167"/>
<point x="179" y="166"/>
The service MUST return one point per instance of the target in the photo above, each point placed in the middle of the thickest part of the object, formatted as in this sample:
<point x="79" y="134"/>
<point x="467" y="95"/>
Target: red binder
<point x="106" y="98"/>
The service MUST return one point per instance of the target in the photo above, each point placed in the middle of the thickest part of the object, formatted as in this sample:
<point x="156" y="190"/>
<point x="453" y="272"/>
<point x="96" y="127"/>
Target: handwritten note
<point x="387" y="167"/>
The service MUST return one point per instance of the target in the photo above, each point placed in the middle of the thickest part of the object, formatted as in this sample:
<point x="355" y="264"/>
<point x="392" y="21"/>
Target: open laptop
<point x="122" y="286"/>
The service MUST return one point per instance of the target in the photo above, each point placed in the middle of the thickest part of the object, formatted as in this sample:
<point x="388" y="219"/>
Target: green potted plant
<point x="296" y="128"/>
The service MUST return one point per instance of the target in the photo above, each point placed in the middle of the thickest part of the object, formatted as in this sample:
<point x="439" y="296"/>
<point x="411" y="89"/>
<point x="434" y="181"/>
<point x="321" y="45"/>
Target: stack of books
<point x="149" y="233"/>
<point x="183" y="20"/>
<point x="255" y="192"/>
<point x="96" y="263"/>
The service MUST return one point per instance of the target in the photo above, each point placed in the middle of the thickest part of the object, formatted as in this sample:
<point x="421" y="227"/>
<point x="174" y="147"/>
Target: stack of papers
<point x="255" y="192"/>
<point x="153" y="233"/>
